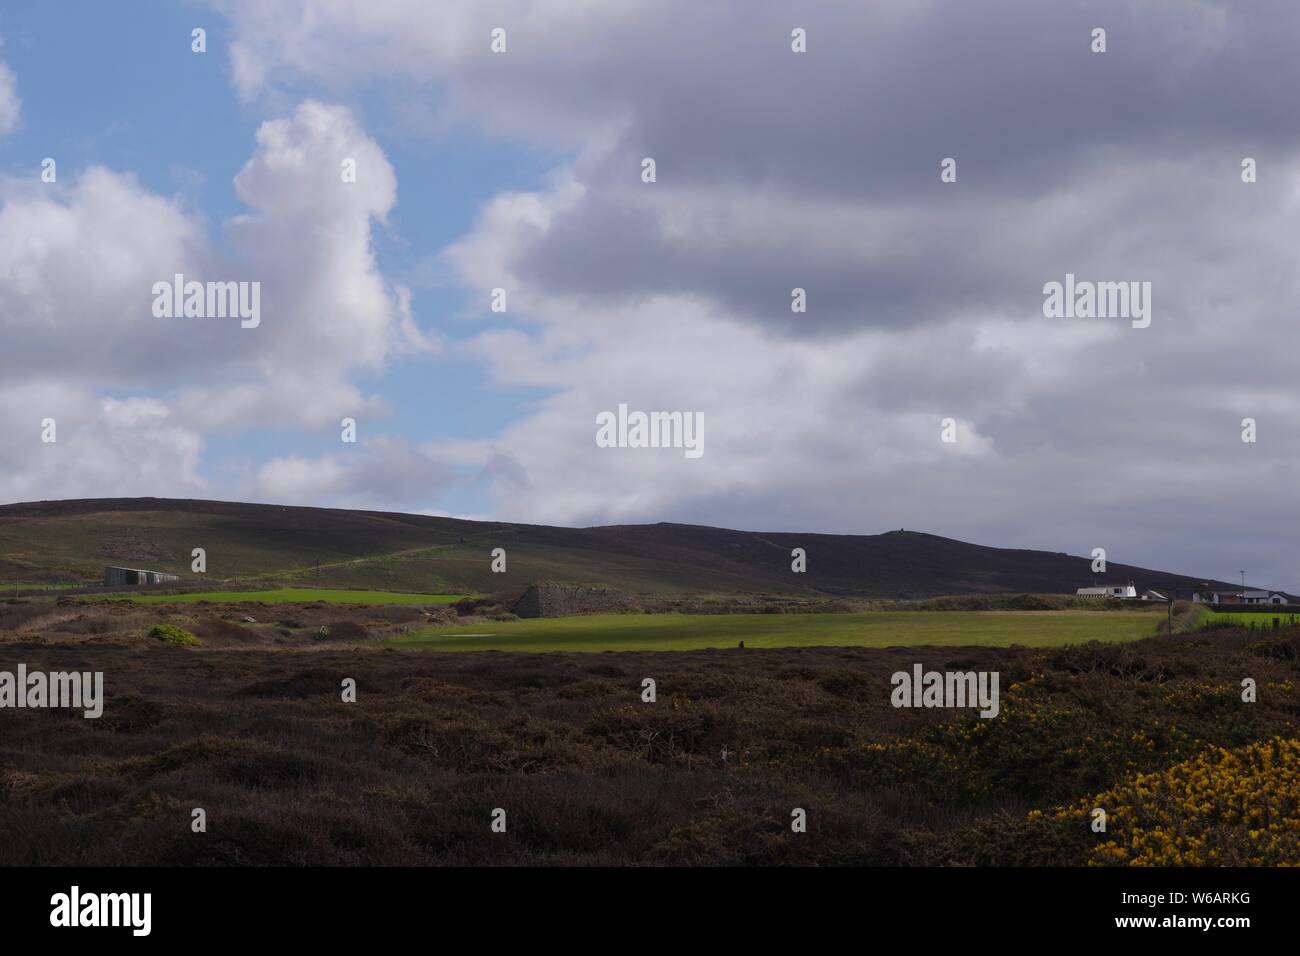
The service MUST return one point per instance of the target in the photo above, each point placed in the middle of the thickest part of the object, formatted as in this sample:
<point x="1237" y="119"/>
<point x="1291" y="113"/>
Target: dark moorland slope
<point x="250" y="543"/>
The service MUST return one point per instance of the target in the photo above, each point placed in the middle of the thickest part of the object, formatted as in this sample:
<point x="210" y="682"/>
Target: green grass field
<point x="1248" y="618"/>
<point x="304" y="595"/>
<point x="666" y="632"/>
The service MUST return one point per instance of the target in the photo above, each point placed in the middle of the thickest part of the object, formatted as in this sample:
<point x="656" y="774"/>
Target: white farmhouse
<point x="1263" y="597"/>
<point x="1114" y="591"/>
<point x="1239" y="597"/>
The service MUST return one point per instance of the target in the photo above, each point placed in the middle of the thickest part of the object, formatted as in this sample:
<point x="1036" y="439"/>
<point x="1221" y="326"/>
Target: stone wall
<point x="547" y="600"/>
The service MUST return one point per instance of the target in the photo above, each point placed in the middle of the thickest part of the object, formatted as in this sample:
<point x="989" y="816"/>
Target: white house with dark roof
<point x="1239" y="597"/>
<point x="1112" y="591"/>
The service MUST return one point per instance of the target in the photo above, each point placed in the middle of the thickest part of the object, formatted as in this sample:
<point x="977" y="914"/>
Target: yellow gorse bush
<point x="1222" y="807"/>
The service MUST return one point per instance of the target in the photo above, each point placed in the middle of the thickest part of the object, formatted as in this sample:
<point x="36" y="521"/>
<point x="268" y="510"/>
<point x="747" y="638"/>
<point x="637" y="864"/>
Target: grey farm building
<point x="135" y="576"/>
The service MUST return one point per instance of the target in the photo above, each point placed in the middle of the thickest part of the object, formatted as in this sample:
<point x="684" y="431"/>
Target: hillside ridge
<point x="74" y="539"/>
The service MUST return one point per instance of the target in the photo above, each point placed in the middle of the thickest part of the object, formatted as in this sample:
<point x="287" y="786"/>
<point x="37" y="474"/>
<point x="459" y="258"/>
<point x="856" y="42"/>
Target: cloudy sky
<point x="775" y="170"/>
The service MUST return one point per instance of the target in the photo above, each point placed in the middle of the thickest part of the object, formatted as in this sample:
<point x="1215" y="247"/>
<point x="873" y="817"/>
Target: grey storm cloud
<point x="775" y="170"/>
<point x="842" y="146"/>
<point x="844" y="143"/>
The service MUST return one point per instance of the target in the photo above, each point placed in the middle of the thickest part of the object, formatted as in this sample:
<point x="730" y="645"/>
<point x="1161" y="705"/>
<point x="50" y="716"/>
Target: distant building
<point x="1152" y="595"/>
<point x="1215" y="597"/>
<point x="134" y="577"/>
<point x="1114" y="591"/>
<point x="1263" y="597"/>
<point x="1239" y="597"/>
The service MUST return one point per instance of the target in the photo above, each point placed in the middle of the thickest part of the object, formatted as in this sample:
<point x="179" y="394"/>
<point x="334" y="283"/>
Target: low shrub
<point x="171" y="634"/>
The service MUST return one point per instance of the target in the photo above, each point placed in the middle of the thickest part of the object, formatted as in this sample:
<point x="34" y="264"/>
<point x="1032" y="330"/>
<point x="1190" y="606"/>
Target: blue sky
<point x="127" y="92"/>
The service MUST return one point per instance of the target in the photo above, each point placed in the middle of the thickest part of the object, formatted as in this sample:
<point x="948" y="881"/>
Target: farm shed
<point x="134" y="577"/>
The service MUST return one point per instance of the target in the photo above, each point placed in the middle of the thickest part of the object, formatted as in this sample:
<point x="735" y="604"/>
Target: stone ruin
<point x="559" y="600"/>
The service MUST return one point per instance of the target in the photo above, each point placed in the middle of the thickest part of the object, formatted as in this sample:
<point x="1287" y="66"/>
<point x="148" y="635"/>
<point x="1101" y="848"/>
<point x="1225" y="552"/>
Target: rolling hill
<point x="53" y="541"/>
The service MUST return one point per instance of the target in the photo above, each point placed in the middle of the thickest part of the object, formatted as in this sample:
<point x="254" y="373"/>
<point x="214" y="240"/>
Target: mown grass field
<point x="303" y="595"/>
<point x="1249" y="618"/>
<point x="667" y="632"/>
